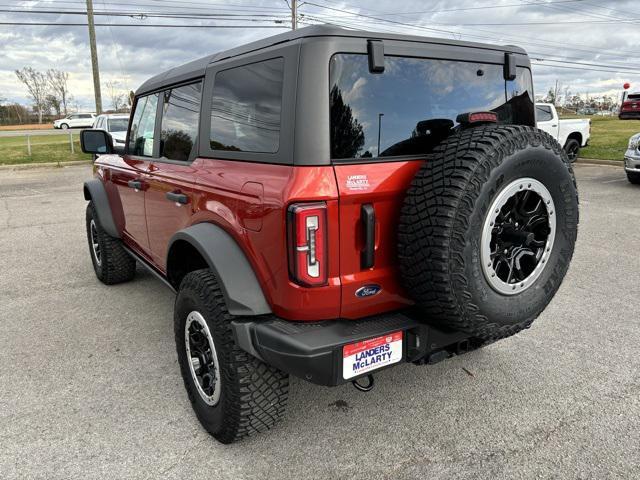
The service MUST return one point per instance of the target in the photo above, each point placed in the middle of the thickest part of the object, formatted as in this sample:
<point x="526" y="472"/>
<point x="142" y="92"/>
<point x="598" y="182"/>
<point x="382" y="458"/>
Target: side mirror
<point x="97" y="142"/>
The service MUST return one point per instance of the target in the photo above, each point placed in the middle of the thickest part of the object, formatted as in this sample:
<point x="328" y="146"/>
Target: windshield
<point x="414" y="104"/>
<point x="118" y="124"/>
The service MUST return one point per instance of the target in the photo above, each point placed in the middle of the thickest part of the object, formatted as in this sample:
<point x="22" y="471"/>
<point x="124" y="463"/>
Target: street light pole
<point x="94" y="57"/>
<point x="380" y="115"/>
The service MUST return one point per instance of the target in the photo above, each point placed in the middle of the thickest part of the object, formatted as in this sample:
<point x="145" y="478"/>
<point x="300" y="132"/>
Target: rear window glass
<point x="634" y="96"/>
<point x="246" y="107"/>
<point x="410" y="107"/>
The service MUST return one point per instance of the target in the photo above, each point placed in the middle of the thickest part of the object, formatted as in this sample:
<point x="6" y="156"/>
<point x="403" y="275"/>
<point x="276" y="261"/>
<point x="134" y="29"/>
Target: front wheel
<point x="64" y="126"/>
<point x="572" y="148"/>
<point x="232" y="393"/>
<point x="110" y="260"/>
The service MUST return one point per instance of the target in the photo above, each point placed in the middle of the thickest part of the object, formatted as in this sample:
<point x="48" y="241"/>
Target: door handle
<point x="137" y="184"/>
<point x="368" y="219"/>
<point x="554" y="125"/>
<point x="176" y="197"/>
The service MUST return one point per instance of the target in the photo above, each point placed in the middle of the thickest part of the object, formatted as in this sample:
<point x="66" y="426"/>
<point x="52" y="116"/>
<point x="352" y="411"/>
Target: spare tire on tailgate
<point x="488" y="228"/>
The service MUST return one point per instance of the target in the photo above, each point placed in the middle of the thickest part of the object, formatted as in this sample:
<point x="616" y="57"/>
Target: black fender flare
<point x="94" y="191"/>
<point x="238" y="281"/>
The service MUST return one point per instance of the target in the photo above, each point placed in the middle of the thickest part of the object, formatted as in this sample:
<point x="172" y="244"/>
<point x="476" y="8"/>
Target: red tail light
<point x="477" y="117"/>
<point x="307" y="224"/>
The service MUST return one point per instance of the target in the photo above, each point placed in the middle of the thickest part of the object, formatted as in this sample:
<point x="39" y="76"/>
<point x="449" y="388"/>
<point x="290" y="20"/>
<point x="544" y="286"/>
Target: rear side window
<point x="411" y="107"/>
<point x="246" y="107"/>
<point x="141" y="136"/>
<point x="180" y="116"/>
<point x="543" y="113"/>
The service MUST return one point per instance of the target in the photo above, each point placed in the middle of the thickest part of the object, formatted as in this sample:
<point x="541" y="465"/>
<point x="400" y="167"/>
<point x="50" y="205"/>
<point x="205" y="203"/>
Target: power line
<point x="136" y="25"/>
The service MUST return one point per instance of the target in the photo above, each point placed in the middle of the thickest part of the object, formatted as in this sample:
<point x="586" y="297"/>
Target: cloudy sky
<point x="588" y="46"/>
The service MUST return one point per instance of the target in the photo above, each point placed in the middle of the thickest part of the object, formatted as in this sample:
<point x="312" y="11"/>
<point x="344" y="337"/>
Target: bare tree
<point x="36" y="83"/>
<point x="58" y="83"/>
<point x="118" y="97"/>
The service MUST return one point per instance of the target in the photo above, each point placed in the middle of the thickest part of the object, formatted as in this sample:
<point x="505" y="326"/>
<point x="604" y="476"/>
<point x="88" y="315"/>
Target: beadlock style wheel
<point x="203" y="358"/>
<point x="518" y="236"/>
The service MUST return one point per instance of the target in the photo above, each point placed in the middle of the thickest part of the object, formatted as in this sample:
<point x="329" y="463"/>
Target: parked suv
<point x="75" y="120"/>
<point x="116" y="125"/>
<point x="329" y="202"/>
<point x="630" y="107"/>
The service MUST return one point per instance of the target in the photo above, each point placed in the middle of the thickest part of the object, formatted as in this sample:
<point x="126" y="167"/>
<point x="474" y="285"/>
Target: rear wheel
<point x="634" y="177"/>
<point x="488" y="228"/>
<point x="572" y="148"/>
<point x="232" y="393"/>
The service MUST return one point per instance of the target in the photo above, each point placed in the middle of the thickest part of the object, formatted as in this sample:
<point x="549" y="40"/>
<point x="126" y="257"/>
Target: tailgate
<point x="366" y="190"/>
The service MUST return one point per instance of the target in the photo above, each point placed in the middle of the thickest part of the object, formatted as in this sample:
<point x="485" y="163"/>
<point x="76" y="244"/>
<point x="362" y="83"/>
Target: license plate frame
<point x="372" y="354"/>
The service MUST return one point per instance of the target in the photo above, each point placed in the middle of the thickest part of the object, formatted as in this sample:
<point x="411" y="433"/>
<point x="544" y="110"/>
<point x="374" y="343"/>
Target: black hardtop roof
<point x="197" y="68"/>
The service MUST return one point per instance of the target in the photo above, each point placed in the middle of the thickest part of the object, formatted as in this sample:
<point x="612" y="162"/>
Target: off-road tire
<point x="633" y="177"/>
<point x="572" y="145"/>
<point x="115" y="265"/>
<point x="443" y="216"/>
<point x="253" y="394"/>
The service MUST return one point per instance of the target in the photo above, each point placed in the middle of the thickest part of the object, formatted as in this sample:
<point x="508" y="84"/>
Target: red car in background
<point x="630" y="108"/>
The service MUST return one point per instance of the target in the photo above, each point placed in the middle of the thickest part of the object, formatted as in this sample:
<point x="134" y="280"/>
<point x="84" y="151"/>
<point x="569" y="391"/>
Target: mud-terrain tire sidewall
<point x="442" y="220"/>
<point x="545" y="166"/>
<point x="253" y="395"/>
<point x="116" y="264"/>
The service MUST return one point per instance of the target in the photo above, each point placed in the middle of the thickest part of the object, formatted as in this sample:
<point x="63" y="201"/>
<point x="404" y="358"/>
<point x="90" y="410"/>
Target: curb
<point x="29" y="166"/>
<point x="595" y="161"/>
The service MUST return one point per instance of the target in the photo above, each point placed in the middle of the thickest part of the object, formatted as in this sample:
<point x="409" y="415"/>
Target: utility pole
<point x="294" y="14"/>
<point x="94" y="57"/>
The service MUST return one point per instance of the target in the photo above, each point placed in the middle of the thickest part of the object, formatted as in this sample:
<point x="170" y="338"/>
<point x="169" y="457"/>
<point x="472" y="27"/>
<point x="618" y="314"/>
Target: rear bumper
<point x="313" y="351"/>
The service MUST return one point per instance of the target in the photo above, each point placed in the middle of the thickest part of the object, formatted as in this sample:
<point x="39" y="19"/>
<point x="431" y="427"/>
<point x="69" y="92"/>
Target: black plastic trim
<point x="368" y="220"/>
<point x="313" y="351"/>
<point x="238" y="281"/>
<point x="95" y="192"/>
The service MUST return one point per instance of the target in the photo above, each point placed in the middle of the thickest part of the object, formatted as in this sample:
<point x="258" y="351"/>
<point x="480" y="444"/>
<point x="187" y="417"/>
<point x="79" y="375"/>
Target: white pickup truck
<point x="572" y="134"/>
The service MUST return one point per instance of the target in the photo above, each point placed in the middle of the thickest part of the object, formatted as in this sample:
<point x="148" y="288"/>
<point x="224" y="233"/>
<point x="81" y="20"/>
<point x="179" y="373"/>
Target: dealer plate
<point x="367" y="355"/>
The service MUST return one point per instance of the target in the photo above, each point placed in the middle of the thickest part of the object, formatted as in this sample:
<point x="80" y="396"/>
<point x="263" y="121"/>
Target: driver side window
<point x="141" y="137"/>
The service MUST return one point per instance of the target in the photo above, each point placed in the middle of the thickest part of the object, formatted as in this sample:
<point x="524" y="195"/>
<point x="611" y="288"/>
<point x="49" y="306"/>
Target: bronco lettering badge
<point x="368" y="291"/>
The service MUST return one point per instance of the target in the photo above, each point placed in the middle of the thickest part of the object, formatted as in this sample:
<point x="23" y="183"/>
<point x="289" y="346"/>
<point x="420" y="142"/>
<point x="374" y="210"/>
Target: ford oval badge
<point x="368" y="291"/>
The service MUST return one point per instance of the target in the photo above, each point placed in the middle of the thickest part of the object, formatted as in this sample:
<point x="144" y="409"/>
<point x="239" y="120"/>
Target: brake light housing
<point x="472" y="118"/>
<point x="307" y="227"/>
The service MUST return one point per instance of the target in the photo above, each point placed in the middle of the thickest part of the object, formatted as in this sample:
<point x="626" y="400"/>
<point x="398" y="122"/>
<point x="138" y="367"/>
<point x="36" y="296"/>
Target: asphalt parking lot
<point x="90" y="387"/>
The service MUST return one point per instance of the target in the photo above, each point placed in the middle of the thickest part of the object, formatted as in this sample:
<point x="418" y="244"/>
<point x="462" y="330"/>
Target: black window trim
<point x="284" y="155"/>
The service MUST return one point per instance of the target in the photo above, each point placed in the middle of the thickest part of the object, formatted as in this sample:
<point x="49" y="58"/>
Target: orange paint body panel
<point x="382" y="185"/>
<point x="250" y="201"/>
